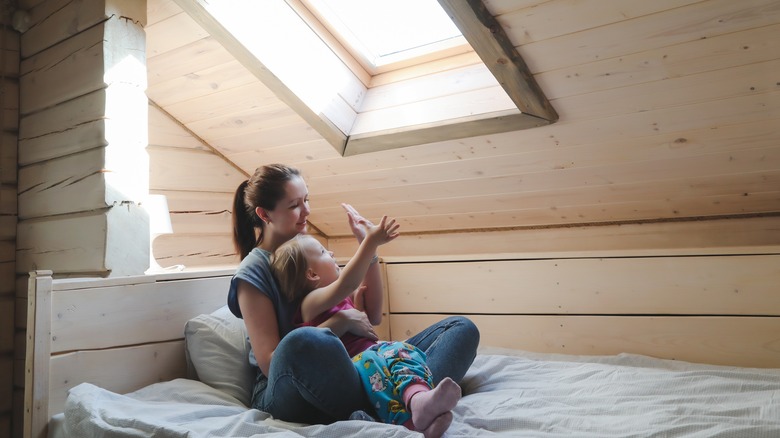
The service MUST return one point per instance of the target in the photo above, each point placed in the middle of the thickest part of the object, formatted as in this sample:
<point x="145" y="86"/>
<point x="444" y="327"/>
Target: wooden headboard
<point x="719" y="309"/>
<point x="118" y="333"/>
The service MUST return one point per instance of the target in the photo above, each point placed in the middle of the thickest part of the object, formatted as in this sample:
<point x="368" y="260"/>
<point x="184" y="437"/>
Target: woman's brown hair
<point x="264" y="189"/>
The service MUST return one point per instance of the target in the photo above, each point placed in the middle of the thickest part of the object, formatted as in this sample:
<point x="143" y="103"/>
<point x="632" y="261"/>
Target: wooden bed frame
<point x="125" y="333"/>
<point x="118" y="333"/>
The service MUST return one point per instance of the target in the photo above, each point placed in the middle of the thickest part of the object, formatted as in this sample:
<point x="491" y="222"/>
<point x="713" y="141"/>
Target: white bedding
<point x="507" y="392"/>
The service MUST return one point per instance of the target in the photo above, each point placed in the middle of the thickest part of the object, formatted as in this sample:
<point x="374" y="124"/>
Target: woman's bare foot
<point x="428" y="406"/>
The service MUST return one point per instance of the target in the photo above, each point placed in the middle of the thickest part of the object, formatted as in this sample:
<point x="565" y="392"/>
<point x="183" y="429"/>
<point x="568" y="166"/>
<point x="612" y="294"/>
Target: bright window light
<point x="387" y="31"/>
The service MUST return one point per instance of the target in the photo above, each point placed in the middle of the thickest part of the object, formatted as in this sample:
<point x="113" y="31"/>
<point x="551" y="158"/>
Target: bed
<point x="159" y="356"/>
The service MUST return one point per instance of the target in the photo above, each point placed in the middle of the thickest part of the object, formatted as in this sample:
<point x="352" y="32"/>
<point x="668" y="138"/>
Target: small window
<point x="382" y="34"/>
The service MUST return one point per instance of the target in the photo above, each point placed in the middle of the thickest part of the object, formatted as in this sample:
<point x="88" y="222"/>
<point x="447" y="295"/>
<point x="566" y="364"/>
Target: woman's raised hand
<point x="357" y="223"/>
<point x="386" y="231"/>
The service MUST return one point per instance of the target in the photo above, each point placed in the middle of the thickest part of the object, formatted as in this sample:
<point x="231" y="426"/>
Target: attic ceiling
<point x="668" y="111"/>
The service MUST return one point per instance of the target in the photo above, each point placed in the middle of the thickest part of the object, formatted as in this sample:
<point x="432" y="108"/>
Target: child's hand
<point x="384" y="232"/>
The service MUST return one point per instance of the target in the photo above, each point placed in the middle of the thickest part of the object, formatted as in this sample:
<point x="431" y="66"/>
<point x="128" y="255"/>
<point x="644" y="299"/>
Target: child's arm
<point x="322" y="299"/>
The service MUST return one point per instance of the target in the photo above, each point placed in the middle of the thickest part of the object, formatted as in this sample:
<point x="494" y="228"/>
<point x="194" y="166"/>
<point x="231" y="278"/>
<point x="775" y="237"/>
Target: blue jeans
<point x="451" y="346"/>
<point x="312" y="378"/>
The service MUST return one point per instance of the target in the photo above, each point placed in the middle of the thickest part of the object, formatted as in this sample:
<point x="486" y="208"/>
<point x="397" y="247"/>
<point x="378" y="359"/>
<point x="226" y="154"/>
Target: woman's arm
<point x="261" y="323"/>
<point x="350" y="321"/>
<point x="371" y="294"/>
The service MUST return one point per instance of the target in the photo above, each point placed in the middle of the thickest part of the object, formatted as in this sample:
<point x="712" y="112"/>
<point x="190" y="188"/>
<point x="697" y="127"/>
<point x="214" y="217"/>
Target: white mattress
<point x="507" y="392"/>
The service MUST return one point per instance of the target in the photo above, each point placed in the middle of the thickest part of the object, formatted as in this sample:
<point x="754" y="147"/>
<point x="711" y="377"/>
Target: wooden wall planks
<point x="720" y="309"/>
<point x="662" y="29"/>
<point x="690" y="285"/>
<point x="73" y="142"/>
<point x="79" y="57"/>
<point x="727" y="236"/>
<point x="649" y="95"/>
<point x="545" y="20"/>
<point x="720" y="340"/>
<point x="200" y="197"/>
<point x="73" y="126"/>
<point x="9" y="128"/>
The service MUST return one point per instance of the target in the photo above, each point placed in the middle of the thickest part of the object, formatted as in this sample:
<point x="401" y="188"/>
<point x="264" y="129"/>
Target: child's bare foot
<point x="439" y="425"/>
<point x="428" y="406"/>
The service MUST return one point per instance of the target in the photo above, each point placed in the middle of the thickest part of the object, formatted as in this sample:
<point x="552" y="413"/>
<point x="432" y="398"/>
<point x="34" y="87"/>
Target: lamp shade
<point x="156" y="207"/>
<point x="159" y="215"/>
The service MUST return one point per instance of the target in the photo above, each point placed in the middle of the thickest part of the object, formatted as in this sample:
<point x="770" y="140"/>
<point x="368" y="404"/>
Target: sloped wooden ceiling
<point x="668" y="110"/>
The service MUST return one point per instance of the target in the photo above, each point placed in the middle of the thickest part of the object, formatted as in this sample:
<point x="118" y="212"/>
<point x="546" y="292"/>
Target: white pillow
<point x="217" y="348"/>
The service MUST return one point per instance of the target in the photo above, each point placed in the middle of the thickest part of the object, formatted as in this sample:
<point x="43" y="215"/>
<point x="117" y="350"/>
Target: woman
<point x="269" y="209"/>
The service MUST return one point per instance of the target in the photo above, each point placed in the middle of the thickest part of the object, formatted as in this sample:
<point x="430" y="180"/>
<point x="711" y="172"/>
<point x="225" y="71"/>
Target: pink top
<point x="355" y="344"/>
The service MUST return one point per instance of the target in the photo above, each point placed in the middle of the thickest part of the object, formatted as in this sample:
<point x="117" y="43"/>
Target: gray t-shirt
<point x="255" y="269"/>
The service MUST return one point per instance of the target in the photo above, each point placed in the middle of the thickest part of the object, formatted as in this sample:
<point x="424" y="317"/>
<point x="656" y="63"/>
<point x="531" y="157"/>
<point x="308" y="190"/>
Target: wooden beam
<point x="36" y="384"/>
<point x="483" y="124"/>
<point x="491" y="43"/>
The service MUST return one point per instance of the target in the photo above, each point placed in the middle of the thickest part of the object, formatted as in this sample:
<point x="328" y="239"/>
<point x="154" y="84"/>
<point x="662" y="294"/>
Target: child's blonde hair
<point x="289" y="266"/>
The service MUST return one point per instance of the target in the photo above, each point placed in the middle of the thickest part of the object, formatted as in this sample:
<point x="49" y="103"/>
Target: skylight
<point x="383" y="32"/>
<point x="479" y="87"/>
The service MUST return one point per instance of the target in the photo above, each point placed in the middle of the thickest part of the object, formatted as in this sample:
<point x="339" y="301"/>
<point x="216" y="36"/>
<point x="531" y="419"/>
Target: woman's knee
<point x="466" y="328"/>
<point x="309" y="341"/>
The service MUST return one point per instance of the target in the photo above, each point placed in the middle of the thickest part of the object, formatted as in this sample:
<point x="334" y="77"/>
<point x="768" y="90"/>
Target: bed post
<point x="38" y="354"/>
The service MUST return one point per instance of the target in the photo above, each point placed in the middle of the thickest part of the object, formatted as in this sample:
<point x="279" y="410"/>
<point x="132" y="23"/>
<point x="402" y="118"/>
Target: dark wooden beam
<point x="491" y="43"/>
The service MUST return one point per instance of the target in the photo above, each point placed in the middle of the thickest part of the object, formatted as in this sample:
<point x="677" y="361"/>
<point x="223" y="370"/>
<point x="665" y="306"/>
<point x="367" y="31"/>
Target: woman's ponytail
<point x="244" y="235"/>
